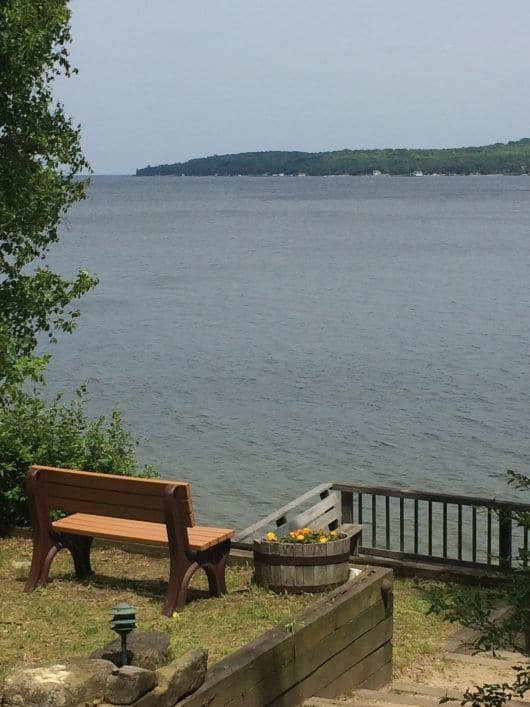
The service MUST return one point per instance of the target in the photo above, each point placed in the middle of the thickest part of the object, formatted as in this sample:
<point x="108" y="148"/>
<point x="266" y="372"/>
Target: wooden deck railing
<point x="407" y="525"/>
<point x="435" y="527"/>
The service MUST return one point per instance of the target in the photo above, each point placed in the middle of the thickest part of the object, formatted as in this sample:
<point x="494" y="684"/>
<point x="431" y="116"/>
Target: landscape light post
<point x="123" y="621"/>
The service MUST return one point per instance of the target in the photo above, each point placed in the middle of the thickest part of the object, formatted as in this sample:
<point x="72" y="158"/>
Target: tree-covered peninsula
<point x="500" y="158"/>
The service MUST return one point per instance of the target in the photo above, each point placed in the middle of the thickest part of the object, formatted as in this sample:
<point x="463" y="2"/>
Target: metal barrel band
<point x="300" y="561"/>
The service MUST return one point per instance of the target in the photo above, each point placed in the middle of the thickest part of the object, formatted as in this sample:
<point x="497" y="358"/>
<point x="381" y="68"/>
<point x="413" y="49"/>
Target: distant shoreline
<point x="509" y="159"/>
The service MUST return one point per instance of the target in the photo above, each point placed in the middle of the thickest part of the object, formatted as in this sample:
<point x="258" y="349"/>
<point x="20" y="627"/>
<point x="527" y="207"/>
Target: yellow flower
<point x="271" y="536"/>
<point x="322" y="539"/>
<point x="300" y="537"/>
<point x="333" y="533"/>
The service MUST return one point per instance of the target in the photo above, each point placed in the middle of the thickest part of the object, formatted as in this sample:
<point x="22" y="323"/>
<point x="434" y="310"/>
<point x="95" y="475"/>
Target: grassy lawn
<point x="417" y="637"/>
<point x="68" y="618"/>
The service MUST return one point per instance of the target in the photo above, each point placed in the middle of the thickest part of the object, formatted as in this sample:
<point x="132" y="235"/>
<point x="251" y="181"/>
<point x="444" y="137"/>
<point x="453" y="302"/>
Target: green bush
<point x="56" y="434"/>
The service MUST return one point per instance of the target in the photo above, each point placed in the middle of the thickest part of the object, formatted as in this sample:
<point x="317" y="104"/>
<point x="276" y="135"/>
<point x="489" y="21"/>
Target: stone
<point x="182" y="676"/>
<point x="65" y="684"/>
<point x="145" y="649"/>
<point x="21" y="568"/>
<point x="127" y="684"/>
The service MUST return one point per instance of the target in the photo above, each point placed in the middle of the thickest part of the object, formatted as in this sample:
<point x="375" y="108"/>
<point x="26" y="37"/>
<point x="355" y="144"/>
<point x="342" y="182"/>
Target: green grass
<point x="418" y="637"/>
<point x="69" y="618"/>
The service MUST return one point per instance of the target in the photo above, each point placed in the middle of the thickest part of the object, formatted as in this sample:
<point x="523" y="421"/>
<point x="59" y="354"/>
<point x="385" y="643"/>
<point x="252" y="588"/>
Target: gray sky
<point x="167" y="80"/>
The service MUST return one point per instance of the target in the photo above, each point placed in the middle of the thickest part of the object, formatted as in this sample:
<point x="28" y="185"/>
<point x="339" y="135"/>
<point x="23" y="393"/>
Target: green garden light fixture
<point x="123" y="621"/>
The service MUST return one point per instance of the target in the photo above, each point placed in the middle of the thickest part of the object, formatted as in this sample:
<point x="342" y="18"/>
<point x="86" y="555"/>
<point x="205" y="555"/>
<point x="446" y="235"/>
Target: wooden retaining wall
<point x="340" y="642"/>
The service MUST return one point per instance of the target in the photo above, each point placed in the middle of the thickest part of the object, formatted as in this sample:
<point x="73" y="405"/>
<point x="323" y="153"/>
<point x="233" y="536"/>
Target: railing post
<point x="346" y="505"/>
<point x="505" y="539"/>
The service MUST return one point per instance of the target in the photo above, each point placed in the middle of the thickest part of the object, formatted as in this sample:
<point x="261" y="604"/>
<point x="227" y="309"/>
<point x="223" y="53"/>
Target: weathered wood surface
<point x="429" y="496"/>
<point x="336" y="644"/>
<point x="279" y="519"/>
<point x="295" y="568"/>
<point x="406" y="524"/>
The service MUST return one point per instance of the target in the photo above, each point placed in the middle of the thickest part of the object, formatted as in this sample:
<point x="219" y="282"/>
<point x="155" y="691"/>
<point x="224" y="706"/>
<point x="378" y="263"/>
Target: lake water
<point x="261" y="335"/>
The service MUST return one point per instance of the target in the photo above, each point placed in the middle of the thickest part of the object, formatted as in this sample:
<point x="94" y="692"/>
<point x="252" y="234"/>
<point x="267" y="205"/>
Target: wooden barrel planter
<point x="301" y="567"/>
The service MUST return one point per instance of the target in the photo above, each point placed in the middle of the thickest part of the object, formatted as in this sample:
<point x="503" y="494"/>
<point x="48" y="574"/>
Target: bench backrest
<point x="73" y="491"/>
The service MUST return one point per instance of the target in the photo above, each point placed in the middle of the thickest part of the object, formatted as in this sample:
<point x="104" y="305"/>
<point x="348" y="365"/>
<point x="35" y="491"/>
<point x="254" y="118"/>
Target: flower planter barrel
<point x="301" y="567"/>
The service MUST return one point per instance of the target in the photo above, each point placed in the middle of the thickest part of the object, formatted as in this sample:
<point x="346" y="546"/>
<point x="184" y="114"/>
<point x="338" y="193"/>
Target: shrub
<point x="56" y="434"/>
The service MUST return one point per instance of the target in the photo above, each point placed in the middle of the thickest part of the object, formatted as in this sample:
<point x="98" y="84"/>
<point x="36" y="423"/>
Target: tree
<point x="40" y="160"/>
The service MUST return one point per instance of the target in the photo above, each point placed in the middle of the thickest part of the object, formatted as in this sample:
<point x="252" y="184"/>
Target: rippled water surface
<point x="261" y="335"/>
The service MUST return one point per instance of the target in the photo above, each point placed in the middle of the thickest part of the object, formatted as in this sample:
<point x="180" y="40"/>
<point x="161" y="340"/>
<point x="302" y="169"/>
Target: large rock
<point x="127" y="684"/>
<point x="65" y="684"/>
<point x="183" y="675"/>
<point x="145" y="649"/>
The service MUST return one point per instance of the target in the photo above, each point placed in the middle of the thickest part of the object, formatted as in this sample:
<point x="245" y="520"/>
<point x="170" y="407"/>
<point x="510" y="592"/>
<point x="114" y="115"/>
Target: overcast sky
<point x="168" y="80"/>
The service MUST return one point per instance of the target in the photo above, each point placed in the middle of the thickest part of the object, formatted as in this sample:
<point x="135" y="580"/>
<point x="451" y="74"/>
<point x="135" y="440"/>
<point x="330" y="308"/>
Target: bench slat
<point x="101" y="509"/>
<point x="94" y="479"/>
<point x="68" y="499"/>
<point x="200" y="537"/>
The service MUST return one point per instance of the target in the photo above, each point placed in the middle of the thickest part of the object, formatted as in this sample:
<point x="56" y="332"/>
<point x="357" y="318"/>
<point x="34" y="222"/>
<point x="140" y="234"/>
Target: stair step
<point x="390" y="697"/>
<point x="398" y="693"/>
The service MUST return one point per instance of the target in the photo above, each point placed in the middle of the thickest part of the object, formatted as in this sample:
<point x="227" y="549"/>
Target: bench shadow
<point x="148" y="588"/>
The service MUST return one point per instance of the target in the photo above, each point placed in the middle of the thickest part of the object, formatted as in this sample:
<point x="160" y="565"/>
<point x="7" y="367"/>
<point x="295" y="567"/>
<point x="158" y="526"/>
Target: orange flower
<point x="300" y="537"/>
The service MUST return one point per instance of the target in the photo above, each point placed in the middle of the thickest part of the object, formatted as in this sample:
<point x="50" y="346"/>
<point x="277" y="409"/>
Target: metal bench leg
<point x="179" y="579"/>
<point x="79" y="546"/>
<point x="44" y="550"/>
<point x="215" y="568"/>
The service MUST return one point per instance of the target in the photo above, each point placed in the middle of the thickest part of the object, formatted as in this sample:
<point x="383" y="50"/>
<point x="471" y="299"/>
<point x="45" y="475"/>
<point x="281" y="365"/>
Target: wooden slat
<point x="416" y="525"/>
<point x="374" y="520"/>
<point x="270" y="520"/>
<point x="101" y="509"/>
<point x="140" y="499"/>
<point x="200" y="538"/>
<point x="428" y="496"/>
<point x="124" y="496"/>
<point x="319" y="515"/>
<point x="114" y="482"/>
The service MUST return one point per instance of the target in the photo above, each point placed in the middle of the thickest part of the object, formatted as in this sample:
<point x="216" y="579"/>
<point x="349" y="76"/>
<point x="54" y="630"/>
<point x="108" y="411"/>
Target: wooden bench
<point x="122" y="508"/>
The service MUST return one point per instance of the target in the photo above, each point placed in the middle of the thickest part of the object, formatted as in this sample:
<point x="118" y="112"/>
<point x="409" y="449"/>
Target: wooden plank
<point x="67" y="488"/>
<point x="269" y="521"/>
<point x="374" y="671"/>
<point x="320" y="516"/>
<point x="137" y="531"/>
<point x="347" y="608"/>
<point x="267" y="672"/>
<point x="429" y="559"/>
<point x="66" y="496"/>
<point x="426" y="496"/>
<point x="71" y="493"/>
<point x="354" y="658"/>
<point x="310" y="656"/>
<point x="100" y="509"/>
<point x="96" y="479"/>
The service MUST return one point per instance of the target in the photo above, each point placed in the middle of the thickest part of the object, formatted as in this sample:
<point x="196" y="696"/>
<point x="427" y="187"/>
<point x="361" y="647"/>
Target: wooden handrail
<point x="430" y="496"/>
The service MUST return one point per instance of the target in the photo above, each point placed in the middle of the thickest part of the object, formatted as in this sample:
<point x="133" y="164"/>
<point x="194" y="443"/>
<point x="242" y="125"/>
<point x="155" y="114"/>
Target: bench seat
<point x="200" y="537"/>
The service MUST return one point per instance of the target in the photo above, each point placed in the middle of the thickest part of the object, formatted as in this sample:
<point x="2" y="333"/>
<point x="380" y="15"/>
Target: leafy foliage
<point x="40" y="158"/>
<point x="473" y="608"/>
<point x="32" y="432"/>
<point x="509" y="158"/>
